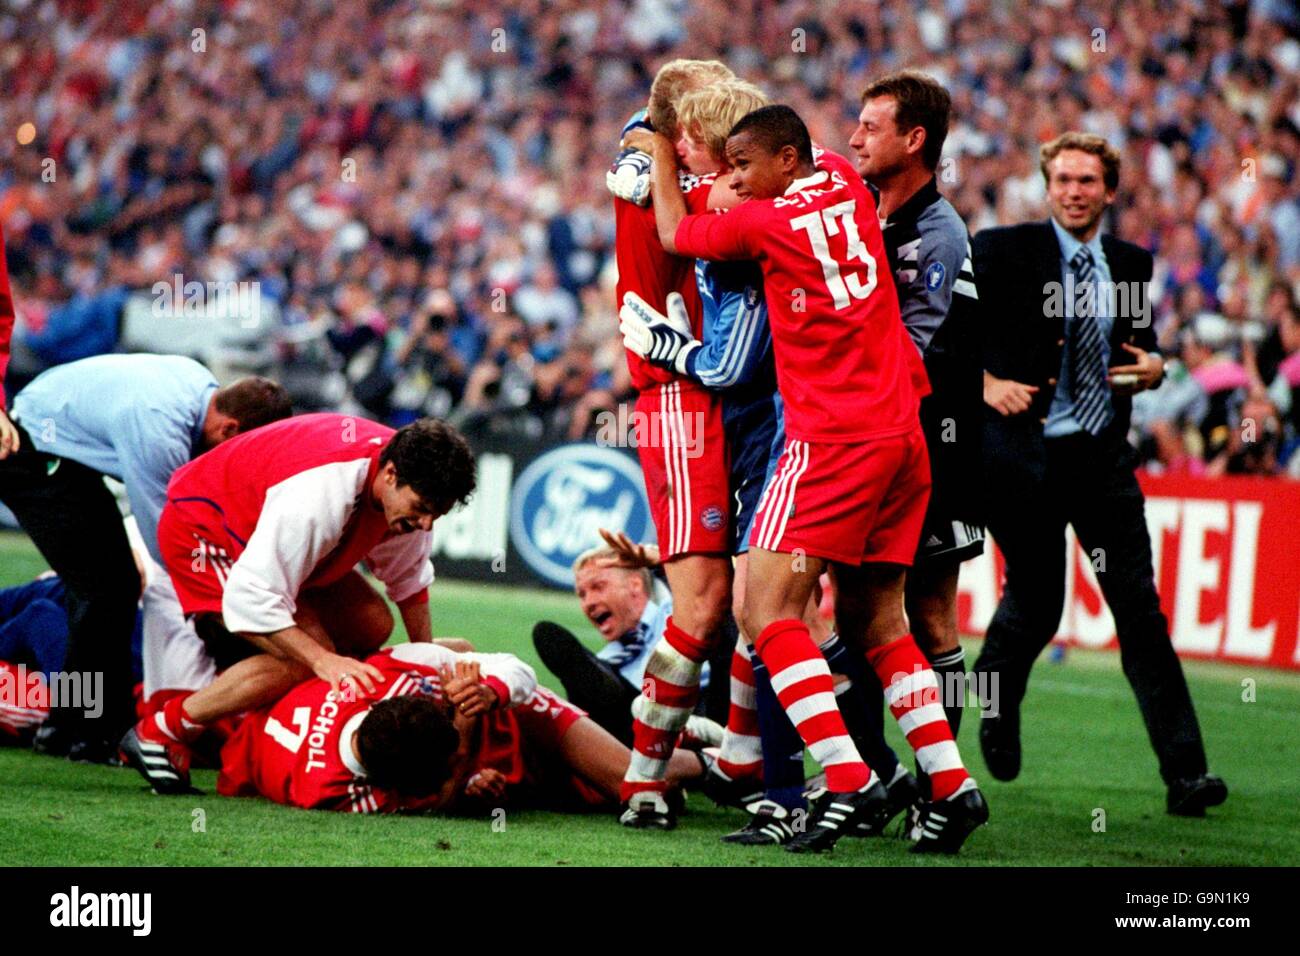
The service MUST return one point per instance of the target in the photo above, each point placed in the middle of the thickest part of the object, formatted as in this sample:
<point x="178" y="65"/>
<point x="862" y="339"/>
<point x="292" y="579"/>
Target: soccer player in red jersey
<point x="683" y="456"/>
<point x="851" y="488"/>
<point x="444" y="731"/>
<point x="261" y="537"/>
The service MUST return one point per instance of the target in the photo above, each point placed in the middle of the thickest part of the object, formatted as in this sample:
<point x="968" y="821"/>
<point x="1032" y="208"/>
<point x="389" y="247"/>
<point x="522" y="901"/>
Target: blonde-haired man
<point x="683" y="455"/>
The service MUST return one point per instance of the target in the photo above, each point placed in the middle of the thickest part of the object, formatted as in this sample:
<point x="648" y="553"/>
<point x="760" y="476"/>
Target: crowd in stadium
<point x="420" y="186"/>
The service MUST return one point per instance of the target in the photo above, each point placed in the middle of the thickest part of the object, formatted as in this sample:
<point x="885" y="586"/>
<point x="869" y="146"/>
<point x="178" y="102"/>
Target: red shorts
<point x="198" y="553"/>
<point x="683" y="451"/>
<point x="853" y="503"/>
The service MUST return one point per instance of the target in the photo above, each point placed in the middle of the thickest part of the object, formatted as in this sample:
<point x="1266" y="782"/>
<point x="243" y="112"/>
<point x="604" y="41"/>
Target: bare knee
<point x="700" y="601"/>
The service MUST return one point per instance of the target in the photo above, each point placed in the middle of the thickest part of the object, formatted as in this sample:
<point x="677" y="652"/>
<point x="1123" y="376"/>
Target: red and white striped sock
<point x="171" y="722"/>
<point x="668" y="693"/>
<point x="804" y="686"/>
<point x="742" y="748"/>
<point x="912" y="692"/>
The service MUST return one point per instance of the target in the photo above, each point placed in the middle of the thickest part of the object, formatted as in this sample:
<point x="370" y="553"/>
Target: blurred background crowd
<point x="419" y="184"/>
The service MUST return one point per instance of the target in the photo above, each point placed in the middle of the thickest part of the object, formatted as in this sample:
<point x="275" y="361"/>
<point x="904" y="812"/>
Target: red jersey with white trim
<point x="299" y="751"/>
<point x="846" y="368"/>
<point x="646" y="269"/>
<point x="292" y="506"/>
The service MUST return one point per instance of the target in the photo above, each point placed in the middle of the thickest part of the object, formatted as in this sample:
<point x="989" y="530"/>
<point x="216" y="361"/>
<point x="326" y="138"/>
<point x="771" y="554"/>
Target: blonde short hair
<point x="674" y="79"/>
<point x="709" y="113"/>
<point x="1085" y="143"/>
<point x="601" y="553"/>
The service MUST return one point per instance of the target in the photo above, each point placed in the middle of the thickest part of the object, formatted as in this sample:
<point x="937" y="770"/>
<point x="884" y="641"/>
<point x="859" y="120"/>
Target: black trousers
<point x="599" y="689"/>
<point x="74" y="521"/>
<point x="1090" y="484"/>
<point x="589" y="683"/>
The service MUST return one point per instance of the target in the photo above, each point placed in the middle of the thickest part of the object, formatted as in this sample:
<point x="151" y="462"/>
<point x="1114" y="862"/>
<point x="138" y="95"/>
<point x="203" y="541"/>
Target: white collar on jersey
<point x="345" y="743"/>
<point x="799" y="185"/>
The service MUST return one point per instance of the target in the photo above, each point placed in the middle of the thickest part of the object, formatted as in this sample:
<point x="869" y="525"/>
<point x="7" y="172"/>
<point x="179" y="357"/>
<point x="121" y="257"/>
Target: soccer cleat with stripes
<point x="648" y="810"/>
<point x="942" y="826"/>
<point x="903" y="791"/>
<point x="723" y="790"/>
<point x="769" y="826"/>
<point x="833" y="815"/>
<point x="163" y="765"/>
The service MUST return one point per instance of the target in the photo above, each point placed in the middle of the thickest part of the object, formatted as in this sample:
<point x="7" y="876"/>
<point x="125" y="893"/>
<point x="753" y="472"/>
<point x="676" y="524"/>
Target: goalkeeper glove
<point x="662" y="340"/>
<point x="629" y="177"/>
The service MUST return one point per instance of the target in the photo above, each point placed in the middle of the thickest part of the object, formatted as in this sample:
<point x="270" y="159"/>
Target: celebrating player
<point x="684" y="460"/>
<point x="444" y="730"/>
<point x="852" y="485"/>
<point x="261" y="538"/>
<point x="734" y="358"/>
<point x="898" y="141"/>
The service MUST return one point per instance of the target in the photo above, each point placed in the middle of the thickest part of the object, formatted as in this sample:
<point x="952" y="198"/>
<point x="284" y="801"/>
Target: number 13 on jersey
<point x="828" y="222"/>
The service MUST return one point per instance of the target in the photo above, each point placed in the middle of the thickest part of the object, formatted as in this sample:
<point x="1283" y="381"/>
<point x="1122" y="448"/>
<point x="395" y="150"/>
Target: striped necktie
<point x="1087" y="360"/>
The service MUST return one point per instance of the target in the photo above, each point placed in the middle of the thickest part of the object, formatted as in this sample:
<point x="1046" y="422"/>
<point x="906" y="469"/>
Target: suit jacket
<point x="1016" y="270"/>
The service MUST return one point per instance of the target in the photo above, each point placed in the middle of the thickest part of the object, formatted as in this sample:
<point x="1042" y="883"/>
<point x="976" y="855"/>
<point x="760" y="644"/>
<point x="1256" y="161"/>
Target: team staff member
<point x="1055" y="453"/>
<point x="136" y="418"/>
<point x="898" y="142"/>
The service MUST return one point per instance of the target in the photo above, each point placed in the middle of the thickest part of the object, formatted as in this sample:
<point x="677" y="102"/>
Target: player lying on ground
<point x="851" y="490"/>
<point x="734" y="358"/>
<point x="261" y="538"/>
<point x="444" y="731"/>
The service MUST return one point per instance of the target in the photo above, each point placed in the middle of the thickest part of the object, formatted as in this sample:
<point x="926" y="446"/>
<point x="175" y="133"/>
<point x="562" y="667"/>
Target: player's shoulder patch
<point x="689" y="181"/>
<point x="934" y="276"/>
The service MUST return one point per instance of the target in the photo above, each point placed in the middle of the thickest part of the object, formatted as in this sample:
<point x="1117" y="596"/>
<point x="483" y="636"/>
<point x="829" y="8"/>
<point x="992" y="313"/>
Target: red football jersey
<point x="288" y="505"/>
<point x="646" y="269"/>
<point x="846" y="368"/>
<point x="299" y="751"/>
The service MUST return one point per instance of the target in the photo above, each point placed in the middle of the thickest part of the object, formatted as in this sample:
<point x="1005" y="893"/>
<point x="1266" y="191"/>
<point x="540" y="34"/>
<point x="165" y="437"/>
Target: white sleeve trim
<point x="302" y="521"/>
<point x="519" y="678"/>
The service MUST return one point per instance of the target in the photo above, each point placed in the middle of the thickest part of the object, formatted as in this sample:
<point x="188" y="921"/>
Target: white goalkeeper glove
<point x="629" y="177"/>
<point x="663" y="340"/>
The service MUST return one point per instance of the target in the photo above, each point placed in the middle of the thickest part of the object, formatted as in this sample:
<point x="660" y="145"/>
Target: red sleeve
<point x="727" y="235"/>
<point x="6" y="317"/>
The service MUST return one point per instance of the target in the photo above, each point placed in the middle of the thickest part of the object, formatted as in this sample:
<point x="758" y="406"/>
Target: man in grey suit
<point x="1067" y="342"/>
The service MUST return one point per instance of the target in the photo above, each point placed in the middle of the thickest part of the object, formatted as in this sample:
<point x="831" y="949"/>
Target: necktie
<point x="1087" y="362"/>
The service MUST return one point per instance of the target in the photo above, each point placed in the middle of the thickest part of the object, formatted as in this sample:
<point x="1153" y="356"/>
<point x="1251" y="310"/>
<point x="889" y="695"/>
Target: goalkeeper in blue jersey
<point x="734" y="356"/>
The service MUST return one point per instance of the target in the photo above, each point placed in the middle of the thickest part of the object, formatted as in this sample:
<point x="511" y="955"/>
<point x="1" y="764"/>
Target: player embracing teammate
<point x="685" y="460"/>
<point x="851" y="489"/>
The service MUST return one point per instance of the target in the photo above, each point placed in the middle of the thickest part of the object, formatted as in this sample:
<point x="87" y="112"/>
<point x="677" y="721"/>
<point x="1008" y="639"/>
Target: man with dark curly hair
<point x="262" y="538"/>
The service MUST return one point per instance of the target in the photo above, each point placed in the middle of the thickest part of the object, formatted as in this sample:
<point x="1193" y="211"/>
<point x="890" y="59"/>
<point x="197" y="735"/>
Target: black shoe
<point x="1000" y="744"/>
<point x="96" y="751"/>
<point x="831" y="815"/>
<point x="1190" y="796"/>
<point x="156" y="764"/>
<point x="769" y="826"/>
<point x="942" y="826"/>
<point x="721" y="789"/>
<point x="648" y="810"/>
<point x="53" y="740"/>
<point x="904" y="791"/>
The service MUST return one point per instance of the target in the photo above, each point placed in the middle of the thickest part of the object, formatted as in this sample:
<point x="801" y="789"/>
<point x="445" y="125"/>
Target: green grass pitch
<point x="1086" y="755"/>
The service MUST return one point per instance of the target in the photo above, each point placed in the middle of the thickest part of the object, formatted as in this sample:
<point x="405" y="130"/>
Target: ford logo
<point x="564" y="496"/>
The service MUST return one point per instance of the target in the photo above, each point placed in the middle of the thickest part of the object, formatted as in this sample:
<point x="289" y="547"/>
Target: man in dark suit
<point x="1067" y="342"/>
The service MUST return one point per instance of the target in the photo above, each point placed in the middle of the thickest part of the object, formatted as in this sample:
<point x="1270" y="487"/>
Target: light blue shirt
<point x="1060" y="419"/>
<point x="630" y="653"/>
<point x="136" y="418"/>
